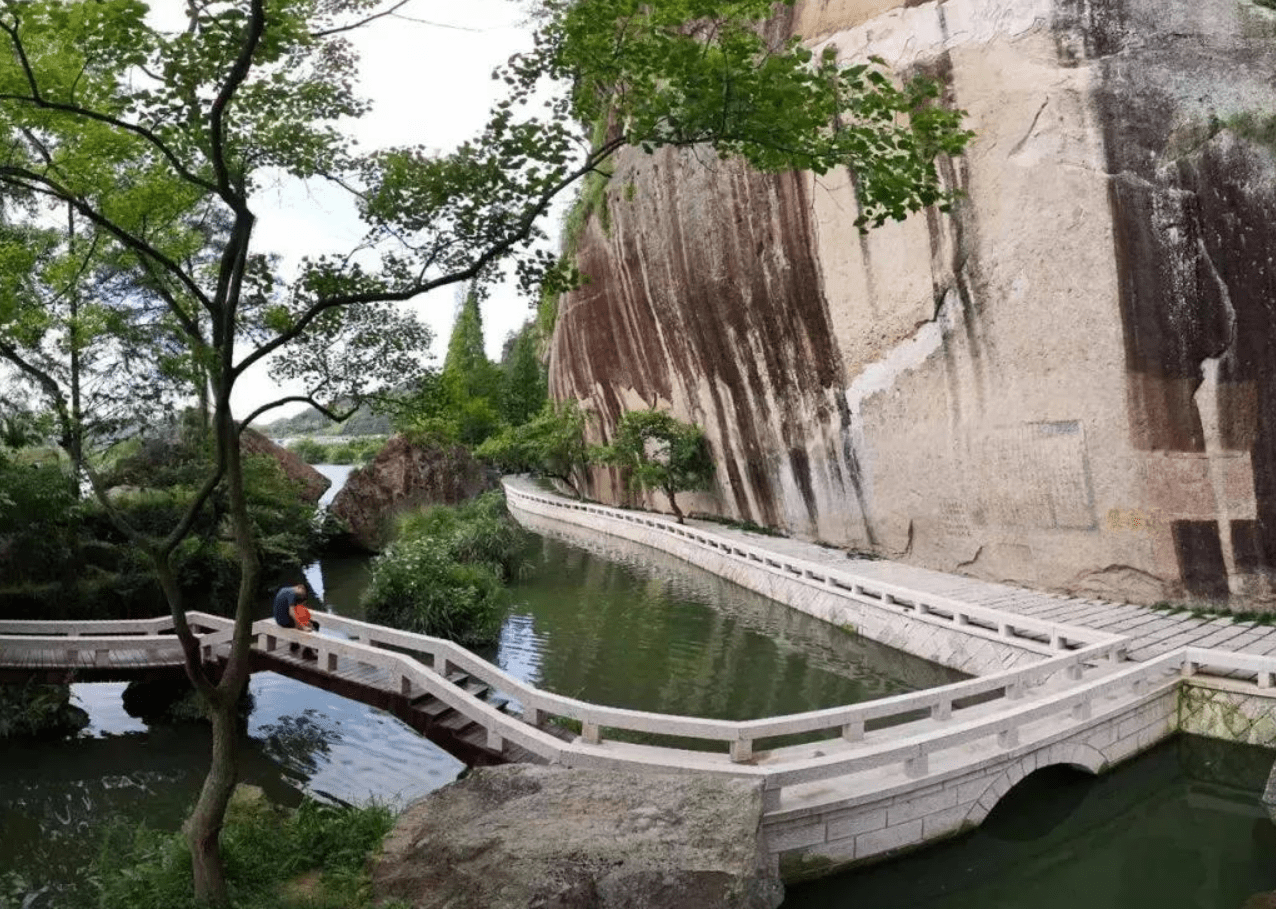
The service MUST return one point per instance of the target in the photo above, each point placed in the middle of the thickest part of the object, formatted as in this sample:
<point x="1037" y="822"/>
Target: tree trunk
<point x="673" y="503"/>
<point x="204" y="826"/>
<point x="570" y="485"/>
<point x="74" y="339"/>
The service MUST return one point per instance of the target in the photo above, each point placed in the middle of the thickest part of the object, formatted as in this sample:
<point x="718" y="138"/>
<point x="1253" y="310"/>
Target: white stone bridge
<point x="839" y="785"/>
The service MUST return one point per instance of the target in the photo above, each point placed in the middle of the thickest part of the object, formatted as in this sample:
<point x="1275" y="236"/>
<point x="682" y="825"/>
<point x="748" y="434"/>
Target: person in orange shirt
<point x="291" y="612"/>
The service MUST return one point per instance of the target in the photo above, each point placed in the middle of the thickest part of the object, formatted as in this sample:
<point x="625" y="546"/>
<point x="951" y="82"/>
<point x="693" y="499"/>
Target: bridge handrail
<point x="738" y="735"/>
<point x="928" y="607"/>
<point x="1006" y="724"/>
<point x="1197" y="661"/>
<point x="779" y="768"/>
<point x="94" y="628"/>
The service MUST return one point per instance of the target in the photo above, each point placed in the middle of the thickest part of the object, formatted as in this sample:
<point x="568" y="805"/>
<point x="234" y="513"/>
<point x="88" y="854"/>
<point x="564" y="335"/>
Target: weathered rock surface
<point x="313" y="483"/>
<point x="1069" y="382"/>
<point x="524" y="837"/>
<point x="1269" y="795"/>
<point x="404" y="476"/>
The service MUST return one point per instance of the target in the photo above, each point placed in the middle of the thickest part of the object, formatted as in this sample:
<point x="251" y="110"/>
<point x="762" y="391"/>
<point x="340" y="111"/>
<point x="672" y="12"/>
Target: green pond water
<point x="619" y="624"/>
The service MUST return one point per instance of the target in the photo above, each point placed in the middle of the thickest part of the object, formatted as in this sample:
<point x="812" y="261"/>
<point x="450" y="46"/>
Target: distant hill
<point x="310" y="422"/>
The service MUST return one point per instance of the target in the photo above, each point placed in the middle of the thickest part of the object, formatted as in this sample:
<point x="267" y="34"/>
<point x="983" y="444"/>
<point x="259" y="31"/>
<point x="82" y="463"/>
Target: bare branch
<point x="335" y="416"/>
<point x="217" y="115"/>
<point x="493" y="253"/>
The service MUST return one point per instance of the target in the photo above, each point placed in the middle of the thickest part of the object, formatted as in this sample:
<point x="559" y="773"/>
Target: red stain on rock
<point x="707" y="294"/>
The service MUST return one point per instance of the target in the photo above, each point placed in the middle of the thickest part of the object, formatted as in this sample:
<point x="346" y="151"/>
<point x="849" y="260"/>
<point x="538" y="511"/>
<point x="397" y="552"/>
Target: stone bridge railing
<point x="947" y="742"/>
<point x="91" y="643"/>
<point x="1038" y="636"/>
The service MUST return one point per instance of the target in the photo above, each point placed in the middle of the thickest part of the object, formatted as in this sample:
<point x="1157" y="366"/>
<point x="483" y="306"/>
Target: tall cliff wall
<point x="1070" y="382"/>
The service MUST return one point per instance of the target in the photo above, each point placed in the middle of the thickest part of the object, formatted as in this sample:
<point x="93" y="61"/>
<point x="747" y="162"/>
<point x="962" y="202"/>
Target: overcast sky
<point x="428" y="74"/>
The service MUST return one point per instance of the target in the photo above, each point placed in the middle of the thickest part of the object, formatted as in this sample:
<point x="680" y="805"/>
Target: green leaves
<point x="658" y="451"/>
<point x="674" y="72"/>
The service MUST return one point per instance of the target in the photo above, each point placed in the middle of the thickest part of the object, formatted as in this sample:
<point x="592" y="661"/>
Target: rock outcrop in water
<point x="403" y="476"/>
<point x="1070" y="382"/>
<point x="525" y="837"/>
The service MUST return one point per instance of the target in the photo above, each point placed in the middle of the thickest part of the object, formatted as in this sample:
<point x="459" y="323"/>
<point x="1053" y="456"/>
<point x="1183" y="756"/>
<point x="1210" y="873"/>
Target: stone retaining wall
<point x="975" y="653"/>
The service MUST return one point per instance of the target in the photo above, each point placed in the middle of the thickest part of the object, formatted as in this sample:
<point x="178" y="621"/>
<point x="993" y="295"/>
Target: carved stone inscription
<point x="1034" y="475"/>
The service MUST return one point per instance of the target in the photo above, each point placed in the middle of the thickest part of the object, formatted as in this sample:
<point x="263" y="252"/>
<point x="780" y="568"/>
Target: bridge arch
<point x="1078" y="756"/>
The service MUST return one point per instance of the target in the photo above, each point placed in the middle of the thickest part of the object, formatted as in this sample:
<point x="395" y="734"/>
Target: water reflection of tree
<point x="297" y="742"/>
<point x="612" y="613"/>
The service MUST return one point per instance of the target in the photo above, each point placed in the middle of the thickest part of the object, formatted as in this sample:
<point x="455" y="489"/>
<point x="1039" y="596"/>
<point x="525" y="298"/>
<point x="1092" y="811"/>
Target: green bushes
<point x="34" y="710"/>
<point x="39" y="519"/>
<point x="355" y="451"/>
<point x="271" y="856"/>
<point x="310" y="451"/>
<point x="477" y="532"/>
<point x="61" y="556"/>
<point x="444" y="574"/>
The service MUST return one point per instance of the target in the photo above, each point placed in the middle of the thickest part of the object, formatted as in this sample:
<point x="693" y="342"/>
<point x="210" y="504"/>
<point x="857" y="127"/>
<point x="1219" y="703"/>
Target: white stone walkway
<point x="1152" y="632"/>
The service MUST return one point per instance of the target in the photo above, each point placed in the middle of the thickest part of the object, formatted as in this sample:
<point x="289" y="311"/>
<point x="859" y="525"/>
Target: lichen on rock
<point x="519" y="836"/>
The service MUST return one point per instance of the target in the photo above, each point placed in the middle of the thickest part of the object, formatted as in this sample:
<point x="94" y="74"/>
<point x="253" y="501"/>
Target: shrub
<point x="34" y="710"/>
<point x="417" y="587"/>
<point x="444" y="574"/>
<point x="310" y="451"/>
<point x="40" y="517"/>
<point x="477" y="532"/>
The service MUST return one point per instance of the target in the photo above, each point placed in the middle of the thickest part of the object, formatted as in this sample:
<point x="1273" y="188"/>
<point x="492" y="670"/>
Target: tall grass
<point x="312" y="858"/>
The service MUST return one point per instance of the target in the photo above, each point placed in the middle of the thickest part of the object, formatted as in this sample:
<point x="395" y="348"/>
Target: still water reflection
<point x="1178" y="828"/>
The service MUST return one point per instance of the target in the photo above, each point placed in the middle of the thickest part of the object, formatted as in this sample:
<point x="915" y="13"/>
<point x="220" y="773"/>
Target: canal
<point x="615" y="623"/>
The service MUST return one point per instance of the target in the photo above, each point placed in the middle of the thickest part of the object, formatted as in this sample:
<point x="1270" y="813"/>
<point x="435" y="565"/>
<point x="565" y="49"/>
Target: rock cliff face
<point x="1070" y="382"/>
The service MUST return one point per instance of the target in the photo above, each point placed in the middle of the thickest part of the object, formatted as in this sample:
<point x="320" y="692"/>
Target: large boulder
<point x="521" y="836"/>
<point x="313" y="483"/>
<point x="403" y="476"/>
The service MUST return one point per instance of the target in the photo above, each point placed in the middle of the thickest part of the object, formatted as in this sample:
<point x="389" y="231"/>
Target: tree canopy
<point x="658" y="451"/>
